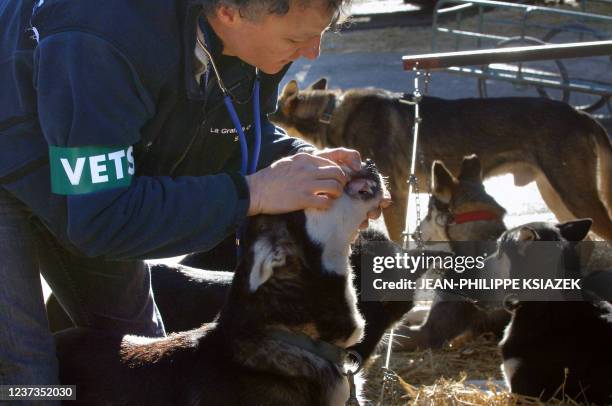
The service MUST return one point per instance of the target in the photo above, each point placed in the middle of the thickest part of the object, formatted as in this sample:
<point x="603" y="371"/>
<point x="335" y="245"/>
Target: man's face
<point x="272" y="40"/>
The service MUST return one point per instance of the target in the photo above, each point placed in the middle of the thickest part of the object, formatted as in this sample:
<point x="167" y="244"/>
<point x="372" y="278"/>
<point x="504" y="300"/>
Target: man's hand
<point x="295" y="183"/>
<point x="305" y="181"/>
<point x="353" y="160"/>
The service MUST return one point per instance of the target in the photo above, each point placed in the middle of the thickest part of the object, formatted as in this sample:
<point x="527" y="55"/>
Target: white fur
<point x="139" y="340"/>
<point x="509" y="368"/>
<point x="341" y="392"/>
<point x="431" y="230"/>
<point x="336" y="227"/>
<point x="351" y="299"/>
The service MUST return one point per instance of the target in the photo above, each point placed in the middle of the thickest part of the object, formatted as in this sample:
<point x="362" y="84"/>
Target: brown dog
<point x="465" y="216"/>
<point x="566" y="152"/>
<point x="280" y="338"/>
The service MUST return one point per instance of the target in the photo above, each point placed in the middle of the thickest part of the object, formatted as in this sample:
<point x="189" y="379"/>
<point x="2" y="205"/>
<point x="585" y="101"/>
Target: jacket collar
<point x="192" y="11"/>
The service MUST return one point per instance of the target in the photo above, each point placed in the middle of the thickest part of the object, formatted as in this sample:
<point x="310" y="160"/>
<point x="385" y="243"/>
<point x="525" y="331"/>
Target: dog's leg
<point x="445" y="321"/>
<point x="576" y="197"/>
<point x="395" y="217"/>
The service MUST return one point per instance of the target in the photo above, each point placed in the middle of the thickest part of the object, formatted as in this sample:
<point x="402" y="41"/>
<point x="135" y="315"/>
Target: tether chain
<point x="390" y="378"/>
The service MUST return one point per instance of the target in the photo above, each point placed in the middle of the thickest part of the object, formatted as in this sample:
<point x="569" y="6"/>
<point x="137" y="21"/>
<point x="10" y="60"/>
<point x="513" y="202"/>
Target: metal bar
<point x="472" y="34"/>
<point x="574" y="85"/>
<point x="515" y="54"/>
<point x="500" y="4"/>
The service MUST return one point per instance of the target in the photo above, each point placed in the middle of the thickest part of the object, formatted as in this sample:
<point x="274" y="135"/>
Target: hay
<point x="440" y="377"/>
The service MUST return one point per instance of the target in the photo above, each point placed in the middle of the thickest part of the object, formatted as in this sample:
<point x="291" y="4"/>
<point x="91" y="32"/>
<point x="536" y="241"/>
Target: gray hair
<point x="253" y="9"/>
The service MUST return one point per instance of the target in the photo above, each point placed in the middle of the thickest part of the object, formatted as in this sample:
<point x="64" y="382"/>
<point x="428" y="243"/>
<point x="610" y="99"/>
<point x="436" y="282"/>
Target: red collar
<point x="478" y="215"/>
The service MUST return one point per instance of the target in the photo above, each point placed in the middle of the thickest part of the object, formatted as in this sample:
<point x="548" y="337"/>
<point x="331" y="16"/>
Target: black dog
<point x="547" y="339"/>
<point x="188" y="296"/>
<point x="280" y="338"/>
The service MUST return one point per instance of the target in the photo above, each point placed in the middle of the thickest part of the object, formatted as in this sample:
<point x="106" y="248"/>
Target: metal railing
<point x="524" y="31"/>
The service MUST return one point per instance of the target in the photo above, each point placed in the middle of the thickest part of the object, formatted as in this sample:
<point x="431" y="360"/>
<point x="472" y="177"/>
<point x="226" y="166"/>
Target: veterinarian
<point x="127" y="129"/>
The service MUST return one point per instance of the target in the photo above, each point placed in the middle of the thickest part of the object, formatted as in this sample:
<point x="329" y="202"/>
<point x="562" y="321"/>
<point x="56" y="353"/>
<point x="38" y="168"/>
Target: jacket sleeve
<point x="90" y="95"/>
<point x="276" y="144"/>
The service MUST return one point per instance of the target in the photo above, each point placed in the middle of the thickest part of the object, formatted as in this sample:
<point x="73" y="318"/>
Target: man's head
<point x="269" y="34"/>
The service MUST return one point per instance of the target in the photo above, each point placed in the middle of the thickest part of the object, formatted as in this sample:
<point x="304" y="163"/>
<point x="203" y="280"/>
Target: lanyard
<point x="246" y="167"/>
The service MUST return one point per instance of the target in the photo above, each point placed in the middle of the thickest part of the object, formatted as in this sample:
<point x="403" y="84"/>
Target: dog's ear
<point x="471" y="169"/>
<point x="290" y="91"/>
<point x="320" y="84"/>
<point x="266" y="259"/>
<point x="443" y="182"/>
<point x="575" y="230"/>
<point x="527" y="234"/>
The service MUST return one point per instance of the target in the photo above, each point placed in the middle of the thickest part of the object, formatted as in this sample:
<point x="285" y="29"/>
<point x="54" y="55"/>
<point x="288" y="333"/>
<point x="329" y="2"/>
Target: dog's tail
<point x="604" y="153"/>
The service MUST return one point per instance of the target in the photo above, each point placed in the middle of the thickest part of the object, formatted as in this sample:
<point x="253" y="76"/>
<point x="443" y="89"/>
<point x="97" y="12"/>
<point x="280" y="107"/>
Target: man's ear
<point x="227" y="15"/>
<point x="443" y="182"/>
<point x="320" y="84"/>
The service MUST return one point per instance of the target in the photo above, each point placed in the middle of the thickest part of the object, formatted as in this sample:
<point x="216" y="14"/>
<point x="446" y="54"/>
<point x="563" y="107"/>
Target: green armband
<point x="90" y="169"/>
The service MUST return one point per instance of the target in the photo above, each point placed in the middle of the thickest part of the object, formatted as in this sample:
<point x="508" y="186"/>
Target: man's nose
<point x="312" y="49"/>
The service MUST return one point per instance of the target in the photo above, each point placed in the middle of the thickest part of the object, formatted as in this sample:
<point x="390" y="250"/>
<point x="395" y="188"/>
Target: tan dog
<point x="566" y="152"/>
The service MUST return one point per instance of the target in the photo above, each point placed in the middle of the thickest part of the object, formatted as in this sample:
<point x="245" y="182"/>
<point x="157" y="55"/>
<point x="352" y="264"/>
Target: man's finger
<point x="318" y="202"/>
<point x="385" y="202"/>
<point x="374" y="214"/>
<point x="332" y="172"/>
<point x="330" y="187"/>
<point x="346" y="156"/>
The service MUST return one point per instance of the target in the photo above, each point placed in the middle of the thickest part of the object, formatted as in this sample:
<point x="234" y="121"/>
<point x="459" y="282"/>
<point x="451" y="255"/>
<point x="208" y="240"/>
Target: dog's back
<point x="566" y="152"/>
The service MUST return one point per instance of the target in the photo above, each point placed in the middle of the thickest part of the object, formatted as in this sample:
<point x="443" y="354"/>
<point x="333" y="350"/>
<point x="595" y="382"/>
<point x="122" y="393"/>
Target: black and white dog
<point x="280" y="338"/>
<point x="555" y="348"/>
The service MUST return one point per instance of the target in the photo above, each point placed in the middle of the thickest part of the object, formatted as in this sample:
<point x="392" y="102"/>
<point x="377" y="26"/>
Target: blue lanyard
<point x="244" y="152"/>
<point x="246" y="167"/>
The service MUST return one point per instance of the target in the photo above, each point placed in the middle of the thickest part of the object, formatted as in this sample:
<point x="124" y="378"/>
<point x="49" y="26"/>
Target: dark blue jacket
<point x="118" y="74"/>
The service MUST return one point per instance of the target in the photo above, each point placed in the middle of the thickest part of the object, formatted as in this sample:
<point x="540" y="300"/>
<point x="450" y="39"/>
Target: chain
<point x="390" y="378"/>
<point x="418" y="233"/>
<point x="390" y="381"/>
<point x="412" y="178"/>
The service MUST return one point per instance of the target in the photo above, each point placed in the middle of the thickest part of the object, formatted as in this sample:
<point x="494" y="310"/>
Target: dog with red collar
<point x="464" y="219"/>
<point x="280" y="339"/>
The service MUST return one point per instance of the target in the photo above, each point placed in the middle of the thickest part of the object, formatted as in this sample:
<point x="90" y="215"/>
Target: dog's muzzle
<point x="365" y="183"/>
